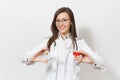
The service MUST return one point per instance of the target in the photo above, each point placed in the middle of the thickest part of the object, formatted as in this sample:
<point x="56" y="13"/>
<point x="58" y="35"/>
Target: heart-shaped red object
<point x="76" y="53"/>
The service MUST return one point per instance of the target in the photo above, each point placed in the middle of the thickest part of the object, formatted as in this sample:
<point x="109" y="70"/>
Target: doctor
<point x="61" y="63"/>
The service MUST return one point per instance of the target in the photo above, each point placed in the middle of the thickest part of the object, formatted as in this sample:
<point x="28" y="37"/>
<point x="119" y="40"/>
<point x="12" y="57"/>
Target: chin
<point x="62" y="32"/>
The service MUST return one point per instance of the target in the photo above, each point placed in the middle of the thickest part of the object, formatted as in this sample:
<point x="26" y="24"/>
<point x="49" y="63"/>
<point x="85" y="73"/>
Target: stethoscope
<point x="66" y="61"/>
<point x="65" y="68"/>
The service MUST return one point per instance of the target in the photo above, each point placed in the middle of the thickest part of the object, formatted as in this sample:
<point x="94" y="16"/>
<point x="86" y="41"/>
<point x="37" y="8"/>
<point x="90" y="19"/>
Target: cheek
<point x="68" y="26"/>
<point x="57" y="27"/>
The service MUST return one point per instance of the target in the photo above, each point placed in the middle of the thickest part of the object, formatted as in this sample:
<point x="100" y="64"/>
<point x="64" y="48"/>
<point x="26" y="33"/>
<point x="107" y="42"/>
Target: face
<point x="63" y="23"/>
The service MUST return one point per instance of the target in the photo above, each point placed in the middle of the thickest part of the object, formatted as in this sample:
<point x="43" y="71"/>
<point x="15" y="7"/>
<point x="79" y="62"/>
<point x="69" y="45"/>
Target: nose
<point x="60" y="23"/>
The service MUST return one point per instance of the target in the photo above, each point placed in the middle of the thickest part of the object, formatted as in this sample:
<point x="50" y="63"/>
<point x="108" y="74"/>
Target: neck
<point x="63" y="34"/>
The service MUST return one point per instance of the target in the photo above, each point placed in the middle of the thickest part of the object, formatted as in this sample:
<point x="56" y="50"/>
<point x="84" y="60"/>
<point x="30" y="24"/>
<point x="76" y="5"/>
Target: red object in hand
<point x="76" y="53"/>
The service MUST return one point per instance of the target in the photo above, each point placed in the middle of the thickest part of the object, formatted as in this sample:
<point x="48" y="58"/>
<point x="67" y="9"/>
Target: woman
<point x="61" y="64"/>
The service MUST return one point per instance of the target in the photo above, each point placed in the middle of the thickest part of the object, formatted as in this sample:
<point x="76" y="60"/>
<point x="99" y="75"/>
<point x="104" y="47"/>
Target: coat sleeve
<point x="98" y="60"/>
<point x="28" y="54"/>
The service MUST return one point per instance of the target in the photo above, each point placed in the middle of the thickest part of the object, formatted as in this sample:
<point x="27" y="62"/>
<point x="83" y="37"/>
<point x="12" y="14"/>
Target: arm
<point x="90" y="56"/>
<point x="36" y="54"/>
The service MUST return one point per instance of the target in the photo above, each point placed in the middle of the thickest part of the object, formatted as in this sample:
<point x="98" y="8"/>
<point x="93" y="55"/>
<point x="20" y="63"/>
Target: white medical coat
<point x="64" y="67"/>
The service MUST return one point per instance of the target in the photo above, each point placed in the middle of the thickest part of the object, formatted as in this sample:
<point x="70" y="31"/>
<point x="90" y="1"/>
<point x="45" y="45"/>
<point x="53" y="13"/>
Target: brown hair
<point x="54" y="29"/>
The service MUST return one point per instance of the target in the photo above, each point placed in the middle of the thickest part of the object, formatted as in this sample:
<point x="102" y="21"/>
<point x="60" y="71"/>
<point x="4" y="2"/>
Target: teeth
<point x="62" y="28"/>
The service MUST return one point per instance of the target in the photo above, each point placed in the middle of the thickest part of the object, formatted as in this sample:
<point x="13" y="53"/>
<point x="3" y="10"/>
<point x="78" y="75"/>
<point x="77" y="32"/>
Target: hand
<point x="38" y="56"/>
<point x="77" y="56"/>
<point x="86" y="58"/>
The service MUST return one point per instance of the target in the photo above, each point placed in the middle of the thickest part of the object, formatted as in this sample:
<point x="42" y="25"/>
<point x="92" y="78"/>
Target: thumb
<point x="43" y="49"/>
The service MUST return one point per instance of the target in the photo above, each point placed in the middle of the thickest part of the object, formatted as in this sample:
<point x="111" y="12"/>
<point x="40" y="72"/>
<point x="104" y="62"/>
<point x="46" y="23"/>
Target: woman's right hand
<point x="38" y="56"/>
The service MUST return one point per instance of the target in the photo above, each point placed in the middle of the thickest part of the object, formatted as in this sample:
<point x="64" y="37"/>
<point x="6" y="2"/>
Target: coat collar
<point x="65" y="37"/>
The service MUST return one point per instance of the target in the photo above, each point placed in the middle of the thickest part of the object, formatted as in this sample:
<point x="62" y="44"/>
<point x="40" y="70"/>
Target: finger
<point x="78" y="59"/>
<point x="41" y="60"/>
<point x="43" y="49"/>
<point x="86" y="60"/>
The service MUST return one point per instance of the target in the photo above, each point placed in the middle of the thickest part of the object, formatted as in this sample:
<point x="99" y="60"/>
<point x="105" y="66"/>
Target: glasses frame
<point x="64" y="21"/>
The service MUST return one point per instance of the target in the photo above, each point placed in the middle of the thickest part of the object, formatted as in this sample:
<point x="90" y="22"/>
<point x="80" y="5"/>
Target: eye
<point x="64" y="19"/>
<point x="57" y="20"/>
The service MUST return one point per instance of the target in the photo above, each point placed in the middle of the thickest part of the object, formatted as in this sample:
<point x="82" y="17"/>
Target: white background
<point x="24" y="23"/>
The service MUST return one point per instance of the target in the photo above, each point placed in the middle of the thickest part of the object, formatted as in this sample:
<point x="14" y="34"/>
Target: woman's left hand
<point x="86" y="58"/>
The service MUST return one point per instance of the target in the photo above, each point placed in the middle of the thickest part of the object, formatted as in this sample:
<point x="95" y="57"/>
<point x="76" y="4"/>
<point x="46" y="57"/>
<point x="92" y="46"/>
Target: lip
<point x="62" y="27"/>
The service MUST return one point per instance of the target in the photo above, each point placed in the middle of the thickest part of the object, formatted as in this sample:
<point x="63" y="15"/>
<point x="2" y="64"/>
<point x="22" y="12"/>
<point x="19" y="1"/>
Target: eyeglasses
<point x="64" y="21"/>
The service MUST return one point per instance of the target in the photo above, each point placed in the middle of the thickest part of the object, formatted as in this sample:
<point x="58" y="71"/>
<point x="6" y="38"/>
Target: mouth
<point x="62" y="27"/>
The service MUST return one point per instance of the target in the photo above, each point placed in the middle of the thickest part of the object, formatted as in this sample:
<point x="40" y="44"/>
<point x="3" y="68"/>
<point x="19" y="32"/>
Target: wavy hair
<point x="54" y="29"/>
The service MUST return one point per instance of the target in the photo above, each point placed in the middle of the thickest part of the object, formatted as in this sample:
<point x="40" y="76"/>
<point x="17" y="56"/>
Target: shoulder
<point x="80" y="40"/>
